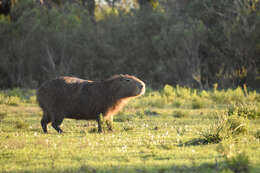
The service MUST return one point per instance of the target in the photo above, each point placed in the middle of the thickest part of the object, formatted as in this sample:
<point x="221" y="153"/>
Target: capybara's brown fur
<point x="70" y="97"/>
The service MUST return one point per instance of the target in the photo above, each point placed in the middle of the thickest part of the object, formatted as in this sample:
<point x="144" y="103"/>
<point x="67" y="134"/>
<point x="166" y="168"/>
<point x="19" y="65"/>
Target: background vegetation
<point x="194" y="43"/>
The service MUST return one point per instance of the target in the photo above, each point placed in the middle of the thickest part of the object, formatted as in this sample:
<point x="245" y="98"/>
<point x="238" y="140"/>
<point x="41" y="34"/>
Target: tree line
<point x="192" y="43"/>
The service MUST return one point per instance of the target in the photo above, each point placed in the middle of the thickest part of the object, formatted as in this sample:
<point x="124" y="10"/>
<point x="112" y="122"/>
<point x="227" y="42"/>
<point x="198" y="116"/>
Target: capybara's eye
<point x="128" y="80"/>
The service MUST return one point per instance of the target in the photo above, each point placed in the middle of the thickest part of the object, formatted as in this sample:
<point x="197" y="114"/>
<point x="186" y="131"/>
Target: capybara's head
<point x="126" y="86"/>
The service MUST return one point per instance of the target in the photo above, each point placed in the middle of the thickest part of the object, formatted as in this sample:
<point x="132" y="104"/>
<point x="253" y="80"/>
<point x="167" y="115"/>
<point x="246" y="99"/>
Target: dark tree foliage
<point x="193" y="43"/>
<point x="5" y="7"/>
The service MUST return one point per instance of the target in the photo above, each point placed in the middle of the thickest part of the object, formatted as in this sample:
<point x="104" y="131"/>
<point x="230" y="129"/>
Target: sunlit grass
<point x="161" y="131"/>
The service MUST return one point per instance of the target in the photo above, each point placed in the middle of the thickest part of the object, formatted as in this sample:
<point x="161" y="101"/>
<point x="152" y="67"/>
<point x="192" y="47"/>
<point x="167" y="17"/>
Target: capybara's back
<point x="70" y="97"/>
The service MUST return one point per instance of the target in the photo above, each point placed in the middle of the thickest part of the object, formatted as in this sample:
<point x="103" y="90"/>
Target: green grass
<point x="159" y="132"/>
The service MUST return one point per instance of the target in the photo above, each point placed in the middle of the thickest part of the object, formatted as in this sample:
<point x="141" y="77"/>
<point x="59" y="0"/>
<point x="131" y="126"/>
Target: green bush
<point x="250" y="111"/>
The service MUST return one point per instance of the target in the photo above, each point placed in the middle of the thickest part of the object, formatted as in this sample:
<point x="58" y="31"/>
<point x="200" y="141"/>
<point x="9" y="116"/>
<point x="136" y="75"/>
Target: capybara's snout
<point x="141" y="87"/>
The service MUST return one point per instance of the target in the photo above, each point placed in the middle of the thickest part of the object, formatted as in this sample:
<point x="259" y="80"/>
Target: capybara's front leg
<point x="99" y="121"/>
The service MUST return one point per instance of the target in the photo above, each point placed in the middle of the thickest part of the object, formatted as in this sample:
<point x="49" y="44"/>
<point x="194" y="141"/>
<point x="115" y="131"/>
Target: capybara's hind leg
<point x="56" y="125"/>
<point x="45" y="120"/>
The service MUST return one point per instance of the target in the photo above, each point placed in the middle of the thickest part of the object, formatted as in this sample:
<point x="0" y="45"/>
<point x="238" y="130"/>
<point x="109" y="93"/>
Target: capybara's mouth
<point x="141" y="89"/>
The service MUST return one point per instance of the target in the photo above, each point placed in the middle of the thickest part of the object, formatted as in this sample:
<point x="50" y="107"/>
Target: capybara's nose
<point x="141" y="86"/>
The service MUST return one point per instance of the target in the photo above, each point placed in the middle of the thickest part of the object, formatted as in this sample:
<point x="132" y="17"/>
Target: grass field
<point x="171" y="130"/>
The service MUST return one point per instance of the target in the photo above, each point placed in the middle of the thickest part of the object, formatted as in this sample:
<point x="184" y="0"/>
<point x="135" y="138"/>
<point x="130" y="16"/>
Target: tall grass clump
<point x="250" y="110"/>
<point x="234" y="160"/>
<point x="2" y="99"/>
<point x="257" y="134"/>
<point x="229" y="96"/>
<point x="3" y="115"/>
<point x="20" y="124"/>
<point x="123" y="117"/>
<point x="225" y="127"/>
<point x="10" y="100"/>
<point x="199" y="103"/>
<point x="180" y="114"/>
<point x="169" y="92"/>
<point x="17" y="96"/>
<point x="239" y="163"/>
<point x="238" y="95"/>
<point x="154" y="99"/>
<point x="13" y="100"/>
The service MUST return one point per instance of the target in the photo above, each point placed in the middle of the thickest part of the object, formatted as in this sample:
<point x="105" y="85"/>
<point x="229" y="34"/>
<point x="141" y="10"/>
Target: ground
<point x="171" y="130"/>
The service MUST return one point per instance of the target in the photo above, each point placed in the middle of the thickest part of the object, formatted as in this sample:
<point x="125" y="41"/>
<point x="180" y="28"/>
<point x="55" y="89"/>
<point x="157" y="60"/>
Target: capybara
<point x="71" y="97"/>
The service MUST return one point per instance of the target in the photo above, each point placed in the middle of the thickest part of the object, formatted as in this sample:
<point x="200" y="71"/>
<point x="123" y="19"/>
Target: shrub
<point x="155" y="99"/>
<point x="2" y="99"/>
<point x="177" y="103"/>
<point x="32" y="99"/>
<point x="227" y="97"/>
<point x="15" y="92"/>
<point x="151" y="113"/>
<point x="10" y="100"/>
<point x="3" y="115"/>
<point x="225" y="127"/>
<point x="257" y="134"/>
<point x="20" y="124"/>
<point x="244" y="110"/>
<point x="198" y="103"/>
<point x="234" y="160"/>
<point x="122" y="117"/>
<point x="183" y="92"/>
<point x="237" y="125"/>
<point x="239" y="163"/>
<point x="180" y="114"/>
<point x="13" y="100"/>
<point x="169" y="93"/>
